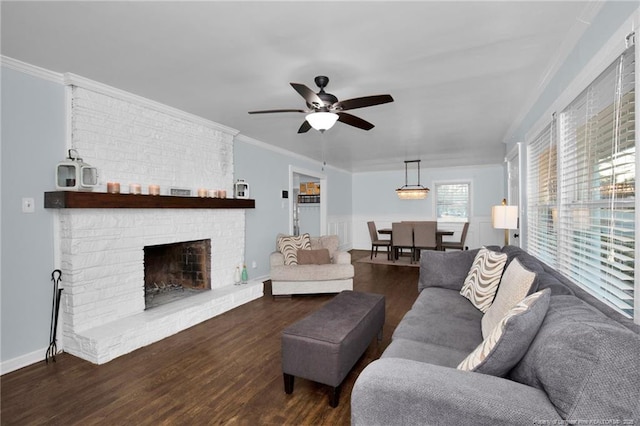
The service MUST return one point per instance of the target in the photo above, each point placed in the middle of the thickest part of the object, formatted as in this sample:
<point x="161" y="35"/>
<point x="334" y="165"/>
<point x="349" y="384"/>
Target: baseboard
<point x="22" y="361"/>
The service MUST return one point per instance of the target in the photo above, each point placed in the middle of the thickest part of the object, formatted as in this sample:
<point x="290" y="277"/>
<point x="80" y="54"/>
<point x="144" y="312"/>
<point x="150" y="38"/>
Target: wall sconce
<point x="505" y="217"/>
<point x="412" y="192"/>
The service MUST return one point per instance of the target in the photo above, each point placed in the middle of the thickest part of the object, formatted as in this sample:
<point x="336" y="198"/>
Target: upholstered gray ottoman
<point x="325" y="345"/>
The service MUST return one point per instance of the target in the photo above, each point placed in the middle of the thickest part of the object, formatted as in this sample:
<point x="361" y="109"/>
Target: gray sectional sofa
<point x="582" y="367"/>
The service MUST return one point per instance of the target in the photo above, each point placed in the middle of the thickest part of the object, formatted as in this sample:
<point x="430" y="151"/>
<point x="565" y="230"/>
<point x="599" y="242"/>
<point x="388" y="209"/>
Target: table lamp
<point x="505" y="217"/>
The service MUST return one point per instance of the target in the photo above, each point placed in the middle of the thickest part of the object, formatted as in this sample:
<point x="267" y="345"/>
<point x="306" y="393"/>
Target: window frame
<point x="436" y="186"/>
<point x="587" y="77"/>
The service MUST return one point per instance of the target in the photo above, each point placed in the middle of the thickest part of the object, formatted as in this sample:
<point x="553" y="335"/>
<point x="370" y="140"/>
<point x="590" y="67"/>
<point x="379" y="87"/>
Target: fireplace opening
<point x="175" y="271"/>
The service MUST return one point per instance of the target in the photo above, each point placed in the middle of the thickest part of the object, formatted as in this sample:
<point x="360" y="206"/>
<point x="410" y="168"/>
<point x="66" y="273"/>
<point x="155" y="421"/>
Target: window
<point x="452" y="201"/>
<point x="597" y="177"/>
<point x="581" y="191"/>
<point x="542" y="187"/>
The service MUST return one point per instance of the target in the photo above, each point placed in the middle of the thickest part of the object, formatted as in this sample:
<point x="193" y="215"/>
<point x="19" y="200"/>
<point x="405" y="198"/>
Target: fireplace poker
<point x="56" y="276"/>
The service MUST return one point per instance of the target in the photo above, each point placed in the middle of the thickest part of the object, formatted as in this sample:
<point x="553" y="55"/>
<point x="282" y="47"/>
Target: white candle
<point x="154" y="189"/>
<point x="135" y="188"/>
<point x="202" y="192"/>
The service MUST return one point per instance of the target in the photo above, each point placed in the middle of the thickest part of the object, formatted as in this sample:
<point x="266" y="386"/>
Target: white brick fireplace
<point x="101" y="250"/>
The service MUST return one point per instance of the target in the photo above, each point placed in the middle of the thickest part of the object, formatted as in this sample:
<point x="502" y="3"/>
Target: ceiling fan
<point x="324" y="109"/>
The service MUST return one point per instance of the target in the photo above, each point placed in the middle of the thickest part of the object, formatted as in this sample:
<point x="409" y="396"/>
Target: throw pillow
<point x="314" y="257"/>
<point x="514" y="286"/>
<point x="483" y="278"/>
<point x="509" y="340"/>
<point x="290" y="245"/>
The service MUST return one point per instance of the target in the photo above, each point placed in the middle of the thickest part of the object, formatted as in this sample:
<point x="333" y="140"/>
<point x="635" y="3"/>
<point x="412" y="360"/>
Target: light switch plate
<point x="28" y="205"/>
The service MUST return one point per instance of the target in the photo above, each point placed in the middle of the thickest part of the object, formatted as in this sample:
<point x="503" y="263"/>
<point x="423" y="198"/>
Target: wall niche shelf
<point x="103" y="200"/>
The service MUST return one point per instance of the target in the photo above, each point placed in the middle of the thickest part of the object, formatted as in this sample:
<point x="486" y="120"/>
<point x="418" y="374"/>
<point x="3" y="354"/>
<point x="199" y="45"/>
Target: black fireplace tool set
<point x="56" y="275"/>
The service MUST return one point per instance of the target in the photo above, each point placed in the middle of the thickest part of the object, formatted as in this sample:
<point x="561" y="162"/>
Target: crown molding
<point x="71" y="79"/>
<point x="31" y="70"/>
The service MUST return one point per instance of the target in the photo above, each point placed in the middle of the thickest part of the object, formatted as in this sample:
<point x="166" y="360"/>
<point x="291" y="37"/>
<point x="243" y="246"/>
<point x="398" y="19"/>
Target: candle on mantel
<point x="113" y="187"/>
<point x="202" y="192"/>
<point x="154" y="189"/>
<point x="213" y="193"/>
<point x="135" y="188"/>
<point x="222" y="193"/>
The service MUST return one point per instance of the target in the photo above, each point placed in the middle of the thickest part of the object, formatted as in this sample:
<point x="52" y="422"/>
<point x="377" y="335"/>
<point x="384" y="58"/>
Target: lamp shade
<point x="505" y="217"/>
<point x="322" y="121"/>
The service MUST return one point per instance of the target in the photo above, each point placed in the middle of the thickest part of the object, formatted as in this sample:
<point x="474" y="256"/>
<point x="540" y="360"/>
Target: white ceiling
<point x="461" y="73"/>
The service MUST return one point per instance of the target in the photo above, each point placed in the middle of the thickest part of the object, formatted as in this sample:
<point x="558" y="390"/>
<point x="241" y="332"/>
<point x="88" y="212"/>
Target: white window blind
<point x="596" y="209"/>
<point x="542" y="195"/>
<point x="452" y="201"/>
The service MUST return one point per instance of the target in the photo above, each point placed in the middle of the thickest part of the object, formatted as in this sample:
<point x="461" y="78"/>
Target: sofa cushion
<point x="329" y="242"/>
<point x="515" y="285"/>
<point x="424" y="352"/>
<point x="442" y="317"/>
<point x="483" y="278"/>
<point x="313" y="257"/>
<point x="510" y="338"/>
<point x="585" y="362"/>
<point x="445" y="269"/>
<point x="289" y="246"/>
<point x="331" y="271"/>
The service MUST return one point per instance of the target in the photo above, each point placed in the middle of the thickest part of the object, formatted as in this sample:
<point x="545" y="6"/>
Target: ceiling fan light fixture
<point x="412" y="192"/>
<point x="322" y="121"/>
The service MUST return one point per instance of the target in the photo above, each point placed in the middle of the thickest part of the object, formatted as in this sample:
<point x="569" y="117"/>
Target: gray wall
<point x="374" y="192"/>
<point x="267" y="172"/>
<point x="33" y="132"/>
<point x="375" y="199"/>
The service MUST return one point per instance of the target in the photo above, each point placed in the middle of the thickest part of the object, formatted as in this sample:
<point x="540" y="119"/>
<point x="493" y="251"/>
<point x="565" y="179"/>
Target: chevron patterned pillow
<point x="290" y="245"/>
<point x="483" y="279"/>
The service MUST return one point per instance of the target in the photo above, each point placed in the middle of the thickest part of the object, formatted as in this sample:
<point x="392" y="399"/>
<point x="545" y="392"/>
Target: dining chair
<point x="377" y="242"/>
<point x="458" y="245"/>
<point x="424" y="237"/>
<point x="401" y="238"/>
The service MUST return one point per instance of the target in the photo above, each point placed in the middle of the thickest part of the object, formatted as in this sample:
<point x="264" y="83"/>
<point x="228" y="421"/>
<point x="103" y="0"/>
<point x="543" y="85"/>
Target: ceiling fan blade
<point x="277" y="110"/>
<point x="305" y="127"/>
<point x="362" y="102"/>
<point x="309" y="95"/>
<point x="354" y="121"/>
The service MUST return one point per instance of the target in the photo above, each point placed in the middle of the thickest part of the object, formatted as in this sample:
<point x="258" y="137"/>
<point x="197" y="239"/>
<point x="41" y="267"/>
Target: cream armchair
<point x="332" y="277"/>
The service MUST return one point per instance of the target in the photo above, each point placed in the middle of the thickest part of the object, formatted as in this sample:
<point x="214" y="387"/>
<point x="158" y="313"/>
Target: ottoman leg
<point x="334" y="398"/>
<point x="288" y="383"/>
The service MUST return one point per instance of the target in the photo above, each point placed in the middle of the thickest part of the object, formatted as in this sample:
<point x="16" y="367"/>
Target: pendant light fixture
<point x="412" y="192"/>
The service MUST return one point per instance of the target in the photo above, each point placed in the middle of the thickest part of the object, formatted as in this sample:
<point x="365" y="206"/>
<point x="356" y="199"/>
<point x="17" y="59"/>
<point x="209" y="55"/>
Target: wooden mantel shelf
<point x="103" y="200"/>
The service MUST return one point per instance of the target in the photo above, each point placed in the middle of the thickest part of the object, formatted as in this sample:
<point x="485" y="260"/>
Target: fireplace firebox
<point x="175" y="271"/>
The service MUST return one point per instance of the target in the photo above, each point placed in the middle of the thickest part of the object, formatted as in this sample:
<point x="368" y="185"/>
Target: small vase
<point x="245" y="275"/>
<point x="236" y="276"/>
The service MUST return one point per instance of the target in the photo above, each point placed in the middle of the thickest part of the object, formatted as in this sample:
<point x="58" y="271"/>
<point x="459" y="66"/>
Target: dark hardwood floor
<point x="223" y="371"/>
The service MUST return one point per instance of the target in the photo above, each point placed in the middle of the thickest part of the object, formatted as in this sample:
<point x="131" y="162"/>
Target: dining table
<point x="439" y="234"/>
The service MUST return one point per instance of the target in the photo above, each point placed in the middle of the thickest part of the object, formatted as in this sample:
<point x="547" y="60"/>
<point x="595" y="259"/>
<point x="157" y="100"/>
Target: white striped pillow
<point x="483" y="279"/>
<point x="290" y="245"/>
